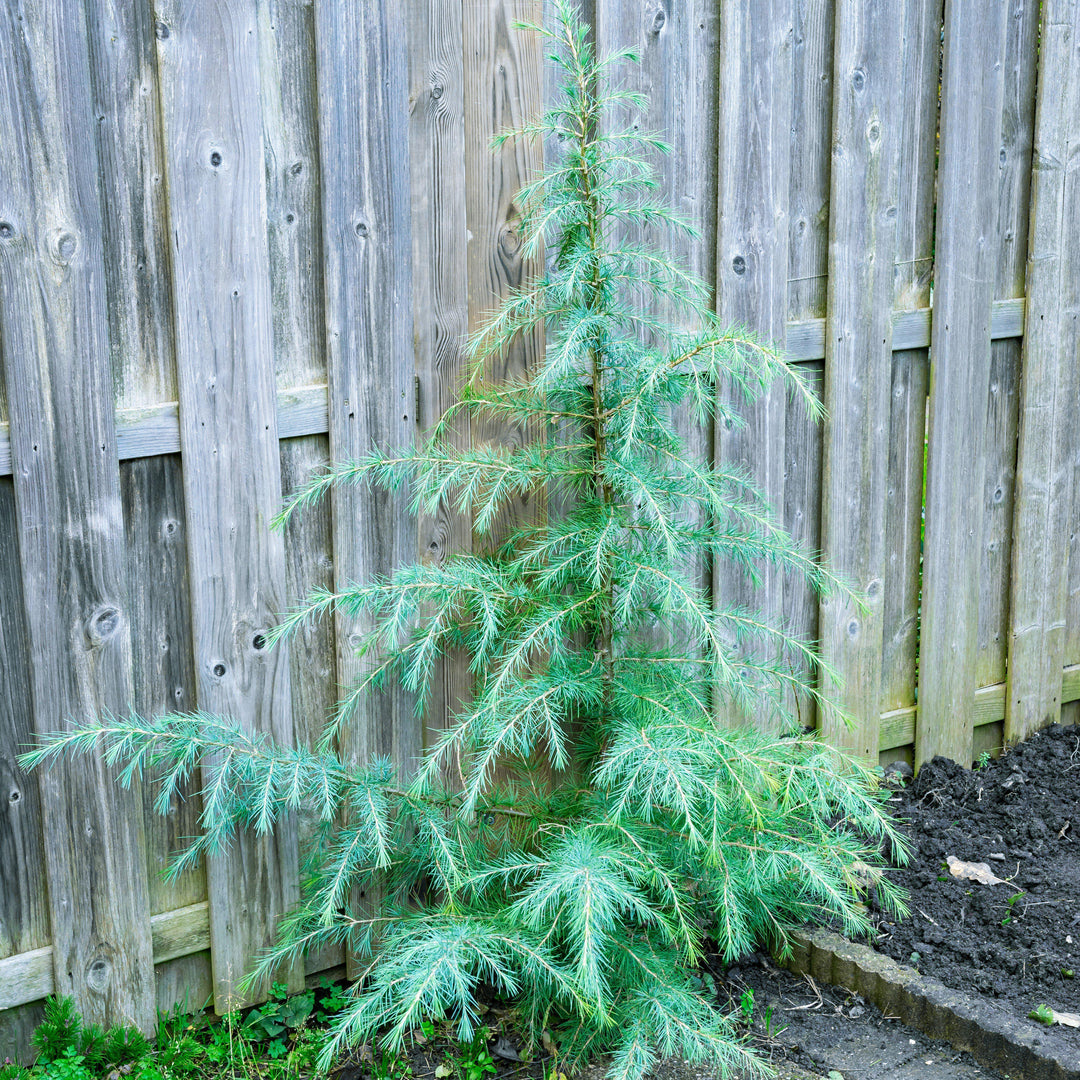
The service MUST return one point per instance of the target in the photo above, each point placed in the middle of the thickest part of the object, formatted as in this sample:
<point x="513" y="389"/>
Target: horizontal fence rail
<point x="237" y="244"/>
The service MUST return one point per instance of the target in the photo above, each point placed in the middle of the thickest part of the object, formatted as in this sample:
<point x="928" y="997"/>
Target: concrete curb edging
<point x="1020" y="1048"/>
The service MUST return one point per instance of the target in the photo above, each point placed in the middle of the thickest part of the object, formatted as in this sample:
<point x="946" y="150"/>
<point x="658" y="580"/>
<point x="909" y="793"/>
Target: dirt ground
<point x="1017" y="942"/>
<point x="806" y="1030"/>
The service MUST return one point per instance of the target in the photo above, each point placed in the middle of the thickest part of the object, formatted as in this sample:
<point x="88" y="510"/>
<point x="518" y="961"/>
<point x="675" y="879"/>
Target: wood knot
<point x="162" y="31"/>
<point x="98" y="974"/>
<point x="738" y="265"/>
<point x="219" y="670"/>
<point x="362" y="229"/>
<point x="66" y="246"/>
<point x="215" y="158"/>
<point x="7" y="230"/>
<point x="103" y="624"/>
<point x="658" y="20"/>
<point x="858" y="79"/>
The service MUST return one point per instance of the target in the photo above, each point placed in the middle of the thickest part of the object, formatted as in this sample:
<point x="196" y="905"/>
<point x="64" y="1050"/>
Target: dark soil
<point x="806" y="1030"/>
<point x="1020" y="814"/>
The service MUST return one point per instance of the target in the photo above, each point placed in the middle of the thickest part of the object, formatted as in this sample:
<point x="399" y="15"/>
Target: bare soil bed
<point x="1017" y="941"/>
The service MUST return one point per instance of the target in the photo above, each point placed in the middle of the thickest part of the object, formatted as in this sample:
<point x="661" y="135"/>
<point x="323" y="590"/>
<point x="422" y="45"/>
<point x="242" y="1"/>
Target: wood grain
<point x="678" y="72"/>
<point x="866" y="142"/>
<point x="131" y="170"/>
<point x="808" y="248"/>
<point x="228" y="433"/>
<point x="902" y="583"/>
<point x="753" y="193"/>
<point x="289" y="96"/>
<point x="24" y="909"/>
<point x="1048" y="442"/>
<point x="363" y="129"/>
<point x="59" y="395"/>
<point x="503" y="89"/>
<point x="964" y="278"/>
<point x="440" y="285"/>
<point x="309" y="565"/>
<point x="1014" y="183"/>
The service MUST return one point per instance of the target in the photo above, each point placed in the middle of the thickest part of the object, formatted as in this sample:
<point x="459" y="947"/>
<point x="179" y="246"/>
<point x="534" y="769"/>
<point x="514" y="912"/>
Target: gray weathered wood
<point x="228" y="433"/>
<point x="24" y="909"/>
<point x="145" y="431"/>
<point x="753" y="190"/>
<point x="808" y="245"/>
<point x="131" y="168"/>
<point x="503" y="89"/>
<point x="440" y="282"/>
<point x="1049" y="442"/>
<point x="866" y="142"/>
<point x="294" y="227"/>
<point x="164" y="680"/>
<point x="921" y="33"/>
<point x="162" y="662"/>
<point x="677" y="46"/>
<point x="1013" y="183"/>
<point x="959" y="374"/>
<point x="309" y="565"/>
<point x="363" y="129"/>
<point x="59" y="396"/>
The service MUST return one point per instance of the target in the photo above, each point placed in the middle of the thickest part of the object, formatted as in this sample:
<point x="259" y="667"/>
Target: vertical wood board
<point x="24" y="910"/>
<point x="208" y="54"/>
<point x="1049" y="441"/>
<point x="131" y="167"/>
<point x="440" y="287"/>
<point x="59" y="395"/>
<point x="964" y="276"/>
<point x="363" y="130"/>
<point x="1014" y="184"/>
<point x="503" y="90"/>
<point x="858" y="364"/>
<point x="753" y="193"/>
<point x="902" y="581"/>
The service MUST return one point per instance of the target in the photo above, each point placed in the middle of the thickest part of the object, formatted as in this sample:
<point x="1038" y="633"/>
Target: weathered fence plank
<point x="921" y="29"/>
<point x="677" y="46"/>
<point x="753" y="191"/>
<point x="163" y="671"/>
<point x="363" y="129"/>
<point x="959" y="374"/>
<point x="24" y="909"/>
<point x="131" y="171"/>
<point x="1049" y="439"/>
<point x="1002" y="416"/>
<point x="866" y="140"/>
<point x="228" y="433"/>
<point x="440" y="283"/>
<point x="808" y="265"/>
<point x="503" y="90"/>
<point x="289" y="95"/>
<point x="59" y="397"/>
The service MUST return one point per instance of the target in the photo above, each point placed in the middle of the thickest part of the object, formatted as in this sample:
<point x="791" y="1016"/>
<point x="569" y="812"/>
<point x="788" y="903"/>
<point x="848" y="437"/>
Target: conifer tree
<point x="604" y="825"/>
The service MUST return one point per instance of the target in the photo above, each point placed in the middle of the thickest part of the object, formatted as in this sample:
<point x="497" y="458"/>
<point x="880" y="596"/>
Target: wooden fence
<point x="240" y="237"/>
